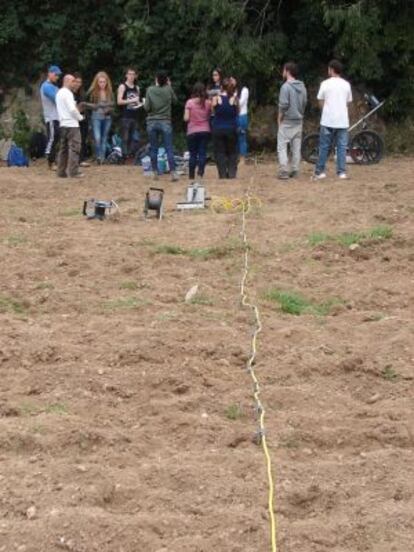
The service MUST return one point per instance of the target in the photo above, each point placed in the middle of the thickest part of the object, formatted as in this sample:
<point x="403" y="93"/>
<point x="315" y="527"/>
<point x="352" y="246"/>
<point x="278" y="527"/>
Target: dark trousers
<point x="197" y="146"/>
<point x="52" y="129"/>
<point x="226" y="152"/>
<point x="69" y="150"/>
<point x="160" y="130"/>
<point x="128" y="127"/>
<point x="84" y="132"/>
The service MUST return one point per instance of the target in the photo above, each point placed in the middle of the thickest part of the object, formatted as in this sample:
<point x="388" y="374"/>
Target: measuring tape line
<point x="246" y="207"/>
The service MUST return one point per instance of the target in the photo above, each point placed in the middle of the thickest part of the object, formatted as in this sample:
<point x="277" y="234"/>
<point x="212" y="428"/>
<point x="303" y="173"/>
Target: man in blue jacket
<point x="48" y="91"/>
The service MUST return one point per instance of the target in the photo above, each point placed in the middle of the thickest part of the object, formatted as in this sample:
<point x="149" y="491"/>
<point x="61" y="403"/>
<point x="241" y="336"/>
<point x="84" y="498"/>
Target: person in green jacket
<point x="158" y="105"/>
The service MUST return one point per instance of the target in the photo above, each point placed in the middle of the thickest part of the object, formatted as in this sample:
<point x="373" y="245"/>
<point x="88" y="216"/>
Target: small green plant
<point x="56" y="408"/>
<point x="318" y="237"/>
<point x="388" y="373"/>
<point x="129" y="284"/>
<point x="294" y="303"/>
<point x="233" y="412"/>
<point x="28" y="409"/>
<point x="126" y="303"/>
<point x="8" y="304"/>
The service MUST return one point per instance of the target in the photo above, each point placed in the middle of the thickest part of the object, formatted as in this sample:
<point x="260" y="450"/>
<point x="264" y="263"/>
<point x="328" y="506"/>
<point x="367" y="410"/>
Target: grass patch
<point x="8" y="304"/>
<point x="201" y="299"/>
<point x="204" y="253"/>
<point x="72" y="212"/>
<point x="377" y="233"/>
<point x="16" y="240"/>
<point x="126" y="303"/>
<point x="233" y="412"/>
<point x="129" y="284"/>
<point x="56" y="408"/>
<point x="388" y="373"/>
<point x="294" y="303"/>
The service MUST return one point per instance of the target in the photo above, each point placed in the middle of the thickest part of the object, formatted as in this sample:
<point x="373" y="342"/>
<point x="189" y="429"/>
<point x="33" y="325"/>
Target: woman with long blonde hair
<point x="102" y="104"/>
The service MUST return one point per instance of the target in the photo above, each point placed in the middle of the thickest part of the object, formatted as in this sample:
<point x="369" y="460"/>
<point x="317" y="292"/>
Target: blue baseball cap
<point x="55" y="69"/>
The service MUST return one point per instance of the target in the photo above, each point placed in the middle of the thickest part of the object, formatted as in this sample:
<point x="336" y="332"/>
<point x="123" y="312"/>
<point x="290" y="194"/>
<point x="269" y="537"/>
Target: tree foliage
<point x="249" y="38"/>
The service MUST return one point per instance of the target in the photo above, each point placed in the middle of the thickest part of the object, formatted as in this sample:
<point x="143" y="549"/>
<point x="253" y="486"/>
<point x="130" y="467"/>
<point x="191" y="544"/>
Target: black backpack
<point x="37" y="147"/>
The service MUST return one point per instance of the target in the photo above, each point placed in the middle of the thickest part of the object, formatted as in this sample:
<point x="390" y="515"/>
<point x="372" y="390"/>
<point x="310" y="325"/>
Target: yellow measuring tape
<point x="222" y="204"/>
<point x="246" y="207"/>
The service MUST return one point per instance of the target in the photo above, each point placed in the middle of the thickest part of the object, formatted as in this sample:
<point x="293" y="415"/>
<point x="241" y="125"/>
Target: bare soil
<point x="127" y="419"/>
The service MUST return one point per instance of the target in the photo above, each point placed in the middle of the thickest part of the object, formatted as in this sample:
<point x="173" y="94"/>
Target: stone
<point x="31" y="512"/>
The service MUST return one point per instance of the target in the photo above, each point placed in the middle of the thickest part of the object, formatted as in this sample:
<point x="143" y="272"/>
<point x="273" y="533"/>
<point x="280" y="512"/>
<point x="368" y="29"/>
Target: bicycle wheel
<point x="310" y="148"/>
<point x="367" y="147"/>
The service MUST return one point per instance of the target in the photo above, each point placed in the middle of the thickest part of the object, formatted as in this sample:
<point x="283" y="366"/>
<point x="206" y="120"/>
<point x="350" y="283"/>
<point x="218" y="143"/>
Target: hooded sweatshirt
<point x="292" y="100"/>
<point x="158" y="103"/>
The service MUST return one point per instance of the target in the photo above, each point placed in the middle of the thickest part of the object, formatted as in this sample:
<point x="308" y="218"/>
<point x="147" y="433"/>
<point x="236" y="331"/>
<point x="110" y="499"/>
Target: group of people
<point x="334" y="96"/>
<point x="218" y="111"/>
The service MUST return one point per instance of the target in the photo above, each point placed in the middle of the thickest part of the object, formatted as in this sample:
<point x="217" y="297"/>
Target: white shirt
<point x="243" y="101"/>
<point x="336" y="95"/>
<point x="68" y="114"/>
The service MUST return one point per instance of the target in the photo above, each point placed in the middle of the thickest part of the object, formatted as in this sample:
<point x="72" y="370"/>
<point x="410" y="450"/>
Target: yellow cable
<point x="246" y="206"/>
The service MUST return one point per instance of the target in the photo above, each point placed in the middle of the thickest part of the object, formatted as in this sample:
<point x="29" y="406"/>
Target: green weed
<point x="16" y="240"/>
<point x="56" y="408"/>
<point x="294" y="303"/>
<point x="388" y="373"/>
<point x="204" y="253"/>
<point x="128" y="285"/>
<point x="8" y="304"/>
<point x="201" y="300"/>
<point x="233" y="412"/>
<point x="44" y="285"/>
<point x="73" y="212"/>
<point x="166" y="249"/>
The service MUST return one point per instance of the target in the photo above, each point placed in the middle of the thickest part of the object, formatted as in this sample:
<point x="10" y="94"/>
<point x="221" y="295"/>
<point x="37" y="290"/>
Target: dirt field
<point x="127" y="419"/>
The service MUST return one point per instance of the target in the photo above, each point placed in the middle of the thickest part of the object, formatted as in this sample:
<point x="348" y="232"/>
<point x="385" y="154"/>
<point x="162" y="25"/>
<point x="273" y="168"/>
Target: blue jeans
<point x="243" y="123"/>
<point x="163" y="130"/>
<point x="327" y="138"/>
<point x="197" y="146"/>
<point x="100" y="129"/>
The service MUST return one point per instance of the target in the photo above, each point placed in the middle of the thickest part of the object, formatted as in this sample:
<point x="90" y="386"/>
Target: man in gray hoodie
<point x="292" y="104"/>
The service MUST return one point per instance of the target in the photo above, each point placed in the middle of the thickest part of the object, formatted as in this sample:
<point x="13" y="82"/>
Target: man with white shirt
<point x="334" y="96"/>
<point x="70" y="137"/>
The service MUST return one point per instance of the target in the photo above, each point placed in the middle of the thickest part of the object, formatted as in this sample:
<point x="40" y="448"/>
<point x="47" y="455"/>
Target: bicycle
<point x="365" y="147"/>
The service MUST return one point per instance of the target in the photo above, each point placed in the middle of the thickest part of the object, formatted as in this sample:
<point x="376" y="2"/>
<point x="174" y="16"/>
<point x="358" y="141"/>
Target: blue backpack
<point x="17" y="158"/>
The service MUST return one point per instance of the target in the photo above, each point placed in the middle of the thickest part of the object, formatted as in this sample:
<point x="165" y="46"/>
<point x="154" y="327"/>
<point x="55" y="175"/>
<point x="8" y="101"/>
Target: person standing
<point x="292" y="105"/>
<point x="128" y="98"/>
<point x="80" y="100"/>
<point x="334" y="96"/>
<point x="102" y="105"/>
<point x="158" y="105"/>
<point x="48" y="91"/>
<point x="243" y="120"/>
<point x="70" y="138"/>
<point x="224" y="126"/>
<point x="197" y="116"/>
<point x="216" y="80"/>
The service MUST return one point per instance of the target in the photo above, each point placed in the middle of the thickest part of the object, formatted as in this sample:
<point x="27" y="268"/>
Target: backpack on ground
<point x="16" y="157"/>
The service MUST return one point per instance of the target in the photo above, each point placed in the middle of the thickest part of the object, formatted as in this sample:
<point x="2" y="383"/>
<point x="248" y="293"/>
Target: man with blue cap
<point x="48" y="91"/>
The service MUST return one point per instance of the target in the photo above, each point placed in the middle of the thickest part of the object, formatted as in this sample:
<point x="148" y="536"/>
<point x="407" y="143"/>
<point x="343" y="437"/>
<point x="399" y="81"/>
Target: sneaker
<point x="174" y="177"/>
<point x="343" y="176"/>
<point x="293" y="174"/>
<point x="321" y="176"/>
<point x="84" y="164"/>
<point x="283" y="175"/>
